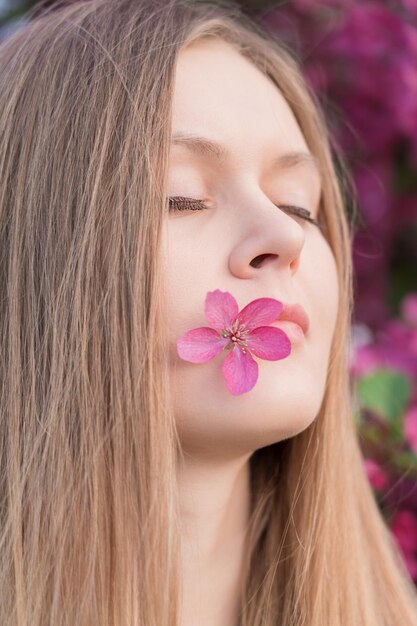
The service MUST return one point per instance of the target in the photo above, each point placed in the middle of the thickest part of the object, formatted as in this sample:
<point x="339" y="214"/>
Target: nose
<point x="267" y="237"/>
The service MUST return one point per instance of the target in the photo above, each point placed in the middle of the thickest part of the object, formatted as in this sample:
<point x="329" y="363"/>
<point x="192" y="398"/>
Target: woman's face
<point x="221" y="96"/>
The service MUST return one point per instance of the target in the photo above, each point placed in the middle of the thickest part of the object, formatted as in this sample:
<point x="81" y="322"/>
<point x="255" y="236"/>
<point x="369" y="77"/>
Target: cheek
<point x="186" y="282"/>
<point x="322" y="285"/>
<point x="192" y="267"/>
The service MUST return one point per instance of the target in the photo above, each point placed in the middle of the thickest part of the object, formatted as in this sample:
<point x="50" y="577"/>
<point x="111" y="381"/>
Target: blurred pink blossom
<point x="394" y="344"/>
<point x="376" y="475"/>
<point x="410" y="427"/>
<point x="409" y="309"/>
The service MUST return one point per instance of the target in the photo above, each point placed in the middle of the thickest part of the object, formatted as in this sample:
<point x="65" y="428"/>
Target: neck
<point x="214" y="505"/>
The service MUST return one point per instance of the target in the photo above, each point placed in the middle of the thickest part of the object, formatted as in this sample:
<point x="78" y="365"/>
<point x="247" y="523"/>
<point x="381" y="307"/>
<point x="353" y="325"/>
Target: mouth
<point x="294" y="321"/>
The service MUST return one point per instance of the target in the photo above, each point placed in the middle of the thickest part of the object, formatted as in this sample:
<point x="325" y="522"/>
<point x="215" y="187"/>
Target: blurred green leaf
<point x="371" y="434"/>
<point x="385" y="392"/>
<point x="405" y="461"/>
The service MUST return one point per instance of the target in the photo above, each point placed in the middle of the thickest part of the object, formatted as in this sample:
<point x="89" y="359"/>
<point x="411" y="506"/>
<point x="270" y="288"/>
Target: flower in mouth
<point x="241" y="334"/>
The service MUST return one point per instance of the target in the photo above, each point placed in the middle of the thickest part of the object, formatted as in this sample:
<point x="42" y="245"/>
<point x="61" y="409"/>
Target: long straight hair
<point x="88" y="446"/>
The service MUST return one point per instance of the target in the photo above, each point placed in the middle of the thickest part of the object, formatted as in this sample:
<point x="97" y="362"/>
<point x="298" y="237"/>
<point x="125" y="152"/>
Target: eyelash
<point x="180" y="203"/>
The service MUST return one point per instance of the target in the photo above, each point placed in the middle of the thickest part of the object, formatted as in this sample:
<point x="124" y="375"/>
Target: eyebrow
<point x="208" y="147"/>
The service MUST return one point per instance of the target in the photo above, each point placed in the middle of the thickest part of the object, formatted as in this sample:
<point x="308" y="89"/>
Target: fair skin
<point x="220" y="95"/>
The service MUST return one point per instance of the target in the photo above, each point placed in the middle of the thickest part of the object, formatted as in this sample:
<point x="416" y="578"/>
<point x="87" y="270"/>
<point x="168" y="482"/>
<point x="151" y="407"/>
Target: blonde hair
<point x="88" y="444"/>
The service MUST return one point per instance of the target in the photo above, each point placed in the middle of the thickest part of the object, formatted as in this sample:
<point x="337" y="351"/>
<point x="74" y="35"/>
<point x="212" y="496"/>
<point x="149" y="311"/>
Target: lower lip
<point x="294" y="331"/>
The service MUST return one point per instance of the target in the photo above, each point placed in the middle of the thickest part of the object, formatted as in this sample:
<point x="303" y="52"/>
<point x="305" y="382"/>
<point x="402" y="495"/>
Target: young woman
<point x="162" y="166"/>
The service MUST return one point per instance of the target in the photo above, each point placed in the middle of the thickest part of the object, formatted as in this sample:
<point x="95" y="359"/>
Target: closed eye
<point x="181" y="203"/>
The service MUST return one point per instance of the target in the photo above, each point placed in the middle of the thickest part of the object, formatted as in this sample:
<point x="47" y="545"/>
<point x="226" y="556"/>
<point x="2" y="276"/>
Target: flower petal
<point x="200" y="344"/>
<point x="240" y="371"/>
<point x="220" y="309"/>
<point x="268" y="342"/>
<point x="260" y="312"/>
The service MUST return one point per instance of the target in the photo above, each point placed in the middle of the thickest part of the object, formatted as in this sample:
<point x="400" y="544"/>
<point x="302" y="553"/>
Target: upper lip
<point x="295" y="313"/>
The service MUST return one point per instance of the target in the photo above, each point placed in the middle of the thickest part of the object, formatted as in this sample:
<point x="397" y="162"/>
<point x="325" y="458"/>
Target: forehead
<point x="218" y="92"/>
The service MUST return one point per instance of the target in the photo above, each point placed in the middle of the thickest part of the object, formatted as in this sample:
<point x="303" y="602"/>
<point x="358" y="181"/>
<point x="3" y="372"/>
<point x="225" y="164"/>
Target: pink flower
<point x="404" y="528"/>
<point x="410" y="427"/>
<point x="376" y="475"/>
<point x="240" y="333"/>
<point x="409" y="309"/>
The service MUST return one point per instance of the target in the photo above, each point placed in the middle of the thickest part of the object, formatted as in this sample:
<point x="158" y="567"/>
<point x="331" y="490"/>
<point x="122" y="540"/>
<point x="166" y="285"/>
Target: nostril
<point x="258" y="260"/>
